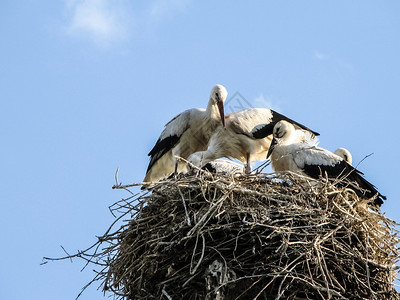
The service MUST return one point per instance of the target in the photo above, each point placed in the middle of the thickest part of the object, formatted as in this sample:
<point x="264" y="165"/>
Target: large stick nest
<point x="247" y="237"/>
<point x="253" y="237"/>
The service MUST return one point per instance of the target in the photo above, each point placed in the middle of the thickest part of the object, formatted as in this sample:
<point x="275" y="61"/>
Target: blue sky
<point x="86" y="86"/>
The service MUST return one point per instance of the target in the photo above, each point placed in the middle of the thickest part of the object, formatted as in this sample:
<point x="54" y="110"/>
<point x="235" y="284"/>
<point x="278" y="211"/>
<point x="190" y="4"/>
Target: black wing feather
<point x="170" y="136"/>
<point x="267" y="130"/>
<point x="160" y="148"/>
<point x="343" y="170"/>
<point x="209" y="167"/>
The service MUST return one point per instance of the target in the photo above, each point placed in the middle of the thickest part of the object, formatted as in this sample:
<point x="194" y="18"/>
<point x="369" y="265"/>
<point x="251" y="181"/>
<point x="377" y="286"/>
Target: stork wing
<point x="267" y="128"/>
<point x="304" y="154"/>
<point x="249" y="120"/>
<point x="316" y="162"/>
<point x="170" y="136"/>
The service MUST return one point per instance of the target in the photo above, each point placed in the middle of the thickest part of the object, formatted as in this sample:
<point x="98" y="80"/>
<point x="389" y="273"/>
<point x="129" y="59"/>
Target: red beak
<point x="221" y="112"/>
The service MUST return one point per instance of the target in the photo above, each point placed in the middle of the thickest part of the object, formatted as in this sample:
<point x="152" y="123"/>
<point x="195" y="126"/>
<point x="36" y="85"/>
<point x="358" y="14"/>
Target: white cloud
<point x="103" y="21"/>
<point x="107" y="21"/>
<point x="320" y="56"/>
<point x="267" y="102"/>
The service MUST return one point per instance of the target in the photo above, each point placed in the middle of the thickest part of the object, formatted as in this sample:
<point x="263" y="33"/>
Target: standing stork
<point x="185" y="134"/>
<point x="246" y="138"/>
<point x="289" y="153"/>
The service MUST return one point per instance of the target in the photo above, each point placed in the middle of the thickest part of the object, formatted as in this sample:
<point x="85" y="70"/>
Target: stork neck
<point x="212" y="111"/>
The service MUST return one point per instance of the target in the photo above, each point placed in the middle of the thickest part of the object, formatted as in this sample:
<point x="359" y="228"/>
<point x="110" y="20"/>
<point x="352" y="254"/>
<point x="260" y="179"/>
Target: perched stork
<point x="345" y="154"/>
<point x="247" y="137"/>
<point x="185" y="134"/>
<point x="289" y="153"/>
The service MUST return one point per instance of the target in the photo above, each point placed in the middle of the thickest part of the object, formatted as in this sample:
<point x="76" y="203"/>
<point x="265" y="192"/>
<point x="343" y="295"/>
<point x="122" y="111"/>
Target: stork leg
<point x="176" y="168"/>
<point x="247" y="168"/>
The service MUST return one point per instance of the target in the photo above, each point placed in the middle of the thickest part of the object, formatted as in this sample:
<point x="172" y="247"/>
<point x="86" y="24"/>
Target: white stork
<point x="220" y="166"/>
<point x="345" y="154"/>
<point x="185" y="134"/>
<point x="289" y="153"/>
<point x="246" y="138"/>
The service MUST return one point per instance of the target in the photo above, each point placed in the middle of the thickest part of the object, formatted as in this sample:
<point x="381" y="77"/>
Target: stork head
<point x="345" y="154"/>
<point x="218" y="96"/>
<point x="282" y="132"/>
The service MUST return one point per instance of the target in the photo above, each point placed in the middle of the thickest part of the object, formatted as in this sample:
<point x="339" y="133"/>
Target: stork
<point x="220" y="166"/>
<point x="185" y="134"/>
<point x="246" y="138"/>
<point x="289" y="153"/>
<point x="345" y="154"/>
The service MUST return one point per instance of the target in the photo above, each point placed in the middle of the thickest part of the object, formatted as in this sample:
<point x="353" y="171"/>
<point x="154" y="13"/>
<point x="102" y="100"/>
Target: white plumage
<point x="185" y="134"/>
<point x="289" y="151"/>
<point x="345" y="154"/>
<point x="247" y="137"/>
<point x="220" y="166"/>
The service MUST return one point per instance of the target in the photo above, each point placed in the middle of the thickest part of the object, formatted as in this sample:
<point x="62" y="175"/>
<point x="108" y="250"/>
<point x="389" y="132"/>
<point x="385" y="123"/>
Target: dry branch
<point x="250" y="237"/>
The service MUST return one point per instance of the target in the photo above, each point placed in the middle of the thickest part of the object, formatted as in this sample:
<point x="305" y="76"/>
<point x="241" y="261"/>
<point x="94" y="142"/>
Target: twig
<point x="116" y="178"/>
<point x="184" y="206"/>
<point x="278" y="235"/>
<point x="364" y="159"/>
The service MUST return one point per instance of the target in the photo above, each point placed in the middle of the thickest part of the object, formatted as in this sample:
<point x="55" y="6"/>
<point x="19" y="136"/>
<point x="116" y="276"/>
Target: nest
<point x="257" y="237"/>
<point x="250" y="237"/>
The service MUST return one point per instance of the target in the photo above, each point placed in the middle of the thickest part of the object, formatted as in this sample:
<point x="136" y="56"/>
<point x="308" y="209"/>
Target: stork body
<point x="185" y="134"/>
<point x="246" y="138"/>
<point x="220" y="166"/>
<point x="290" y="153"/>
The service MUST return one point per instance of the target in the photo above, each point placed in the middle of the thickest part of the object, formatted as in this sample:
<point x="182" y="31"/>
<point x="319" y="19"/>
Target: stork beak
<point x="272" y="147"/>
<point x="221" y="111"/>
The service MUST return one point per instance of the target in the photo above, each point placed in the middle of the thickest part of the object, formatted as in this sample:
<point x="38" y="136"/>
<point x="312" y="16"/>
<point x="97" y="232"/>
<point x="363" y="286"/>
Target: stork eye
<point x="279" y="133"/>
